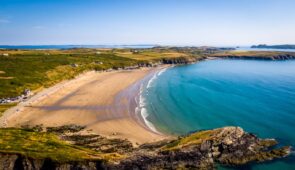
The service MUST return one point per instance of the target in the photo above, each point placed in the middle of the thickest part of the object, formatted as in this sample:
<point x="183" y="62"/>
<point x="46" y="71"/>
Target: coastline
<point x="140" y="109"/>
<point x="105" y="102"/>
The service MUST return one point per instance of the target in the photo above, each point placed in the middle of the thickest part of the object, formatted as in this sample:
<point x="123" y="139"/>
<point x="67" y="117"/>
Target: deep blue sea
<point x="258" y="96"/>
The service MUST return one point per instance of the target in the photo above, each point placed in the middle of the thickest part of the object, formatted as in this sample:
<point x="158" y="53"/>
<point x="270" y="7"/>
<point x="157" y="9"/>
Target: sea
<point x="258" y="96"/>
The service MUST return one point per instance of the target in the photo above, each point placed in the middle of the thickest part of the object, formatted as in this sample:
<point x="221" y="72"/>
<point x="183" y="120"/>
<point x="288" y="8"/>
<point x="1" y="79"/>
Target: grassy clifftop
<point x="65" y="148"/>
<point x="43" y="145"/>
<point x="266" y="55"/>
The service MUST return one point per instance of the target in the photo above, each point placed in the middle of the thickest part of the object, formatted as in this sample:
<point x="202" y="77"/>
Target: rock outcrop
<point x="227" y="146"/>
<point x="26" y="93"/>
<point x="200" y="150"/>
<point x="181" y="60"/>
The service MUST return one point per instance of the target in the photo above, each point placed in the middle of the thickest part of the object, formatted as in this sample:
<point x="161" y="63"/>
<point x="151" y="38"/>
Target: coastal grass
<point x="151" y="55"/>
<point x="41" y="145"/>
<point x="194" y="138"/>
<point x="35" y="70"/>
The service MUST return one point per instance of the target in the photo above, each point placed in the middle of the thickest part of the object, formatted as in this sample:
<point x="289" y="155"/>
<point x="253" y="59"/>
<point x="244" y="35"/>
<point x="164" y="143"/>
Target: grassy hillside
<point x="41" y="145"/>
<point x="37" y="70"/>
<point x="150" y="55"/>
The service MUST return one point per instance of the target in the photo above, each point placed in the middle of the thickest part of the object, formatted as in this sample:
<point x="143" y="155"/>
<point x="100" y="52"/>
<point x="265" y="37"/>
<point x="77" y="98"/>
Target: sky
<point x="162" y="22"/>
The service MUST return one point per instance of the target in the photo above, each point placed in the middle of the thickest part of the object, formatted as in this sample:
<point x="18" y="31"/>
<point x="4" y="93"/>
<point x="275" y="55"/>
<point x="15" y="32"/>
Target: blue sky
<point x="166" y="22"/>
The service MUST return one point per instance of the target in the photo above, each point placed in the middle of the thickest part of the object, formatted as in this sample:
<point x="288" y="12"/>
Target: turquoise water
<point x="259" y="96"/>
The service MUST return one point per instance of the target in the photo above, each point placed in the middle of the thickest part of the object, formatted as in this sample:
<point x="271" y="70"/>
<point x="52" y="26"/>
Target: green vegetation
<point x="150" y="55"/>
<point x="34" y="71"/>
<point x="195" y="138"/>
<point x="30" y="143"/>
<point x="41" y="145"/>
<point x="264" y="54"/>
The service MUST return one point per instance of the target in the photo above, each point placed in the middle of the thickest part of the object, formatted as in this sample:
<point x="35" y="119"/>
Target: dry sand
<point x="104" y="102"/>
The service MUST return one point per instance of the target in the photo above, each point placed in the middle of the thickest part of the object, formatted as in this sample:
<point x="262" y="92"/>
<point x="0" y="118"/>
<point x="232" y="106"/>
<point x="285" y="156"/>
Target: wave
<point x="162" y="71"/>
<point x="141" y="102"/>
<point x="142" y="111"/>
<point x="145" y="115"/>
<point x="155" y="76"/>
<point x="149" y="84"/>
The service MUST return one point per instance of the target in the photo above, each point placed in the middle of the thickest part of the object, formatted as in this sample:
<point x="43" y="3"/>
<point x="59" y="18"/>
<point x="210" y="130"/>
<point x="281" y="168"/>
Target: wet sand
<point x="103" y="102"/>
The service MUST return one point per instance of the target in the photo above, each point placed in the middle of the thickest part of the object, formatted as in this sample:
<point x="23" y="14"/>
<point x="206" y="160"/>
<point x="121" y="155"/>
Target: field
<point x="150" y="55"/>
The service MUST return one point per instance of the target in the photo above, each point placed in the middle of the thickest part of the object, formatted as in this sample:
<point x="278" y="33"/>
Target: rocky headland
<point x="284" y="46"/>
<point x="255" y="55"/>
<point x="230" y="146"/>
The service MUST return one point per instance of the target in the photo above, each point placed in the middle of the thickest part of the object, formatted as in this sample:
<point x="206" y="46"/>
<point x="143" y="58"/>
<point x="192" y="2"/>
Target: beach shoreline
<point x="104" y="102"/>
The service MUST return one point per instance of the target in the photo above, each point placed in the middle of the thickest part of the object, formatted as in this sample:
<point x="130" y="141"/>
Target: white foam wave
<point x="162" y="71"/>
<point x="142" y="101"/>
<point x="155" y="76"/>
<point x="141" y="109"/>
<point x="145" y="115"/>
<point x="150" y="82"/>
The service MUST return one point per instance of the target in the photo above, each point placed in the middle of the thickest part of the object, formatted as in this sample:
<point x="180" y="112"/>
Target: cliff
<point x="285" y="46"/>
<point x="201" y="150"/>
<point x="256" y="55"/>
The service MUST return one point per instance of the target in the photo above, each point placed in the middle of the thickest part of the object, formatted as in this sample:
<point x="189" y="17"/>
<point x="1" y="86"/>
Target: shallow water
<point x="259" y="96"/>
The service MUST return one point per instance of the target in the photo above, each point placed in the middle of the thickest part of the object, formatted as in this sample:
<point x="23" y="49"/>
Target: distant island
<point x="285" y="46"/>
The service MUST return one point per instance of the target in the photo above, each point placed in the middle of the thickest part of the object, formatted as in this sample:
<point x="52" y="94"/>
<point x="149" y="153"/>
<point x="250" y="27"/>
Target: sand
<point x="101" y="101"/>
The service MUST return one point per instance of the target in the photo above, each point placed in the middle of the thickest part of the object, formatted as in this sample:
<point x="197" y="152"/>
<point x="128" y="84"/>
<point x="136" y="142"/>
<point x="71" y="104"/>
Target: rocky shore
<point x="27" y="93"/>
<point x="230" y="146"/>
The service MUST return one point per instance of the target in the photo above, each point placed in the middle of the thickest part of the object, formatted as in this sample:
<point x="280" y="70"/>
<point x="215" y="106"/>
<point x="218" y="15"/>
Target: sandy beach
<point x="102" y="101"/>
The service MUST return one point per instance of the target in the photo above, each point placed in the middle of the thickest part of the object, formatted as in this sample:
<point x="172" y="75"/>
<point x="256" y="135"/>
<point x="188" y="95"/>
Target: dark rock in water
<point x="201" y="150"/>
